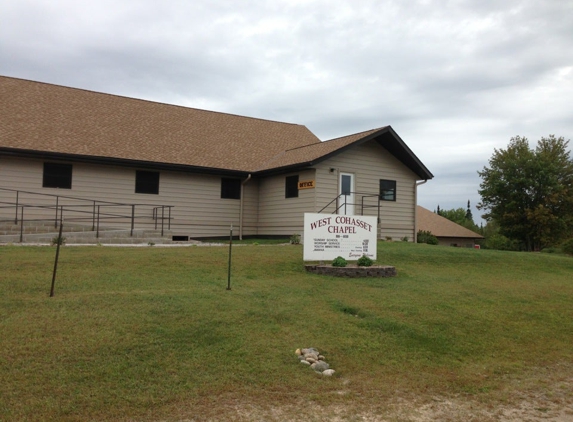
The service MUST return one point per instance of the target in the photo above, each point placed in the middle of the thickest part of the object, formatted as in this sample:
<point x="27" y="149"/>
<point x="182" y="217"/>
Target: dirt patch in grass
<point x="542" y="395"/>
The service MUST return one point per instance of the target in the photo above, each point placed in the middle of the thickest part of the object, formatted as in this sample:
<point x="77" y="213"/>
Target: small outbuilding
<point x="447" y="232"/>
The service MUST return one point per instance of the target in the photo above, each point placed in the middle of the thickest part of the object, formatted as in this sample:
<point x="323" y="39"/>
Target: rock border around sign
<point x="353" y="271"/>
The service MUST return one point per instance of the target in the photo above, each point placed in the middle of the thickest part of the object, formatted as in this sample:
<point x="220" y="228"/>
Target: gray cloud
<point x="455" y="78"/>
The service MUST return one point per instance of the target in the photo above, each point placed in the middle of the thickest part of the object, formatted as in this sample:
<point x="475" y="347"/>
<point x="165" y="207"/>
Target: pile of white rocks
<point x="315" y="360"/>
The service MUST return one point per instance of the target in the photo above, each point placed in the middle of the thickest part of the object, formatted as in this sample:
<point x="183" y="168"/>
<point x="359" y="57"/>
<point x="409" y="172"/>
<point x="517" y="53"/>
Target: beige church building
<point x="112" y="161"/>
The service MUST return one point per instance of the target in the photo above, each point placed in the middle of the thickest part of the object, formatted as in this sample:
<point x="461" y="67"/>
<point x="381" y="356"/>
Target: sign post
<point x="230" y="251"/>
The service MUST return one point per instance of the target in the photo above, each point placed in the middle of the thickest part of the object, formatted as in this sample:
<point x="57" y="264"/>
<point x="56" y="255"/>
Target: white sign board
<point x="327" y="236"/>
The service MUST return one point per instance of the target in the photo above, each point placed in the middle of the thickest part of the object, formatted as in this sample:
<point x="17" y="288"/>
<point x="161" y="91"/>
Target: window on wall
<point x="57" y="176"/>
<point x="147" y="182"/>
<point x="230" y="188"/>
<point x="387" y="190"/>
<point x="291" y="186"/>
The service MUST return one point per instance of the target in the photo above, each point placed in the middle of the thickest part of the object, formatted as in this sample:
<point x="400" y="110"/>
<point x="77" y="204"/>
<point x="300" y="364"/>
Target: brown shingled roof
<point x="40" y="119"/>
<point x="440" y="226"/>
<point x="312" y="152"/>
<point x="50" y="118"/>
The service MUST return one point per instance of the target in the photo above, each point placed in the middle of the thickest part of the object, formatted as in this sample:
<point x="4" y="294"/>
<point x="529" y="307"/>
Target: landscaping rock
<point x="320" y="366"/>
<point x="312" y="357"/>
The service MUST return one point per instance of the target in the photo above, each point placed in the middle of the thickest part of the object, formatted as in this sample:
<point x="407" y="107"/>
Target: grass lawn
<point x="152" y="333"/>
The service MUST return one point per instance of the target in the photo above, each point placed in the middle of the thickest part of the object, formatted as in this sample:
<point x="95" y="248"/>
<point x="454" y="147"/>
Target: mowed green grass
<point x="152" y="333"/>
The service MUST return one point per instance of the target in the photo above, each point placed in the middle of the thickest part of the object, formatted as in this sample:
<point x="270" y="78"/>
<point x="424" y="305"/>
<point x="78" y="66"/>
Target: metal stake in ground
<point x="59" y="242"/>
<point x="230" y="249"/>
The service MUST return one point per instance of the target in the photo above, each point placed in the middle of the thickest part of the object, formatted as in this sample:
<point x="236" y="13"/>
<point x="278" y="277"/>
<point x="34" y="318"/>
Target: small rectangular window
<point x="387" y="190"/>
<point x="57" y="176"/>
<point x="346" y="184"/>
<point x="147" y="182"/>
<point x="230" y="188"/>
<point x="291" y="186"/>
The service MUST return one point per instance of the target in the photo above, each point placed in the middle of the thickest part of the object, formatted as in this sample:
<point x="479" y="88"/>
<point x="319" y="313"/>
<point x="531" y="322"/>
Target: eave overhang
<point x="43" y="155"/>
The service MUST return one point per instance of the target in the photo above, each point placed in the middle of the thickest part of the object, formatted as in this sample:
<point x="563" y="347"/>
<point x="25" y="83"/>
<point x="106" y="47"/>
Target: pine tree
<point x="469" y="215"/>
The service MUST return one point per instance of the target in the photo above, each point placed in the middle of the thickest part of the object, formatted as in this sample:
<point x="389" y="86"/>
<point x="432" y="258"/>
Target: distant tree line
<point x="460" y="216"/>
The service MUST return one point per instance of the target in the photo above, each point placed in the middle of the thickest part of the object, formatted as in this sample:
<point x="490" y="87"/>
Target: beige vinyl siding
<point x="279" y="215"/>
<point x="369" y="163"/>
<point x="198" y="210"/>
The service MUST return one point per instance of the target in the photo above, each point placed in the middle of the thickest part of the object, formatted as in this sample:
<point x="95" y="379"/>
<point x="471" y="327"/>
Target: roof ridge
<point x="358" y="133"/>
<point x="149" y="101"/>
<point x="337" y="139"/>
<point x="270" y="160"/>
<point x="305" y="146"/>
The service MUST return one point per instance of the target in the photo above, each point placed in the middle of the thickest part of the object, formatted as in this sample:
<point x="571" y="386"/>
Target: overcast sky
<point x="455" y="79"/>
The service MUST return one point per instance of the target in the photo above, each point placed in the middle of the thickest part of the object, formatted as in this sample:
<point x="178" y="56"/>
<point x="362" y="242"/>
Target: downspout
<point x="416" y="208"/>
<point x="243" y="183"/>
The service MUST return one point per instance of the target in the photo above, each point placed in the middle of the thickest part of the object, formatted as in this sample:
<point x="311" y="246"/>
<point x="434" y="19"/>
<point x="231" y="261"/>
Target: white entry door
<point x="346" y="190"/>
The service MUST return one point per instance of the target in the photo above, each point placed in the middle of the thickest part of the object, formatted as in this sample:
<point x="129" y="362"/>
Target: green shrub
<point x="405" y="239"/>
<point x="500" y="242"/>
<point x="295" y="239"/>
<point x="339" y="262"/>
<point x="59" y="240"/>
<point x="425" y="236"/>
<point x="551" y="249"/>
<point x="364" y="261"/>
<point x="567" y="247"/>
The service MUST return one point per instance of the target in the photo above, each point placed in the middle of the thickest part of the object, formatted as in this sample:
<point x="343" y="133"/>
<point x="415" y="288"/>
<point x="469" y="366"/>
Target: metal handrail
<point x="96" y="215"/>
<point x="345" y="203"/>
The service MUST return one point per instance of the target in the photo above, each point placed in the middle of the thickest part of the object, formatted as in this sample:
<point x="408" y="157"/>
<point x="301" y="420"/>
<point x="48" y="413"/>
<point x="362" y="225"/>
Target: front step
<point x="9" y="228"/>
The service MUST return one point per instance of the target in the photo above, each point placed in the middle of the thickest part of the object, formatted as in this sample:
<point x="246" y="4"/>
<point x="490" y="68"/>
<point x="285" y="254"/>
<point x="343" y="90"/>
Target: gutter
<point x="243" y="183"/>
<point x="416" y="208"/>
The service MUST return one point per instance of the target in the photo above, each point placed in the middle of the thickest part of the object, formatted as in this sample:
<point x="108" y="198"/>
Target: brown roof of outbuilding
<point x="442" y="227"/>
<point x="45" y="119"/>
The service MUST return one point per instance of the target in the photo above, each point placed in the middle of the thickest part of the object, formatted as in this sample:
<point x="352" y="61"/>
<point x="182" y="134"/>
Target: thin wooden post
<point x="162" y="218"/>
<point x="132" y="219"/>
<point x="93" y="216"/>
<point x="59" y="243"/>
<point x="16" y="216"/>
<point x="97" y="227"/>
<point x="230" y="250"/>
<point x="22" y="225"/>
<point x="56" y="220"/>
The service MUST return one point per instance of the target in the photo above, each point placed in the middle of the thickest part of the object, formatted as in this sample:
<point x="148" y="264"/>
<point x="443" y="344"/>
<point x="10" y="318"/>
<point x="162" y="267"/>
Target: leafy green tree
<point x="529" y="192"/>
<point x="457" y="215"/>
<point x="460" y="216"/>
<point x="495" y="240"/>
